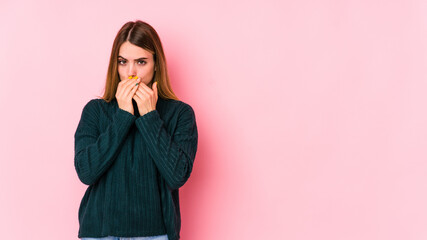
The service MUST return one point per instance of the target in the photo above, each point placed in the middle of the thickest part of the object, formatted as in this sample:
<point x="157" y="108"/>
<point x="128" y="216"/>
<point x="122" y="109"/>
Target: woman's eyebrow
<point x="135" y="59"/>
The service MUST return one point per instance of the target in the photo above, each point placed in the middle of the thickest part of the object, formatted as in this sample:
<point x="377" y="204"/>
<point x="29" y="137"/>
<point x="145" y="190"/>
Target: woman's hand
<point x="146" y="98"/>
<point x="125" y="91"/>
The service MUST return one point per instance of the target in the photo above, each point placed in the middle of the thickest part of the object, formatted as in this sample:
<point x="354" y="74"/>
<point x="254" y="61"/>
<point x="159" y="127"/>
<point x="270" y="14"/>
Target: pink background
<point x="311" y="114"/>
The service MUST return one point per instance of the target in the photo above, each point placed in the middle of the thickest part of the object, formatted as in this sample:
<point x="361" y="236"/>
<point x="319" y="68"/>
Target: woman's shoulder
<point x="91" y="104"/>
<point x="177" y="109"/>
<point x="96" y="104"/>
<point x="165" y="106"/>
<point x="99" y="102"/>
<point x="173" y="104"/>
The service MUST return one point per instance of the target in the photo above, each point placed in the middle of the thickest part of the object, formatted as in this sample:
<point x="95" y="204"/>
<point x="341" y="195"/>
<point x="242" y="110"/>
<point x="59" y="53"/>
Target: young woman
<point x="135" y="146"/>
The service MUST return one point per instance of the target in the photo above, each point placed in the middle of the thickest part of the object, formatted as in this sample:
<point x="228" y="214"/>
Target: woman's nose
<point x="131" y="71"/>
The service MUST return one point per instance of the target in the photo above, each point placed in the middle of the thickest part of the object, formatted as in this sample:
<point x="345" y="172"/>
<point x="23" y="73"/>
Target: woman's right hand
<point x="125" y="91"/>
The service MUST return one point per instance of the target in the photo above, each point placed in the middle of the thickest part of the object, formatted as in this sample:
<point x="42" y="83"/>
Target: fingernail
<point x="135" y="77"/>
<point x="129" y="77"/>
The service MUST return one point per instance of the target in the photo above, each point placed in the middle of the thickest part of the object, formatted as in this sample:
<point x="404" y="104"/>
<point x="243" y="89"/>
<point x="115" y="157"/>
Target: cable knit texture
<point x="134" y="166"/>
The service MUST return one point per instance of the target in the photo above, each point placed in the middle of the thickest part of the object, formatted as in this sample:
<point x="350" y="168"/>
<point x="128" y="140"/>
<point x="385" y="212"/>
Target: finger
<point x="125" y="79"/>
<point x="155" y="89"/>
<point x="132" y="91"/>
<point x="129" y="86"/>
<point x="141" y="94"/>
<point x="144" y="88"/>
<point x="137" y="98"/>
<point x="119" y="88"/>
<point x="122" y="86"/>
<point x="123" y="82"/>
<point x="129" y="83"/>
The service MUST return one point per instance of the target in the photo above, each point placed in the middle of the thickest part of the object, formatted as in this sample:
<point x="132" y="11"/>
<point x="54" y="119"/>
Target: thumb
<point x="155" y="87"/>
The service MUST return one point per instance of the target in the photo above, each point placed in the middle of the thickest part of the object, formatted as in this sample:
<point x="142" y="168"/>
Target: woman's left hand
<point x="146" y="98"/>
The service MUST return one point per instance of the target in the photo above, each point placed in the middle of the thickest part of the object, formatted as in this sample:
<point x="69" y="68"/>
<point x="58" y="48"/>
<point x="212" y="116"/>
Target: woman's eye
<point x="121" y="62"/>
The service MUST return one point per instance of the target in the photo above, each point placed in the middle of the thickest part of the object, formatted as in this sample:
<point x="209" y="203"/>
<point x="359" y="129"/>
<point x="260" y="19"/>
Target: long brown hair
<point x="143" y="35"/>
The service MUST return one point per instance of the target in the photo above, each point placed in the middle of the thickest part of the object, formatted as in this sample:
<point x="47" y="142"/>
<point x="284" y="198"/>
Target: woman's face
<point x="135" y="61"/>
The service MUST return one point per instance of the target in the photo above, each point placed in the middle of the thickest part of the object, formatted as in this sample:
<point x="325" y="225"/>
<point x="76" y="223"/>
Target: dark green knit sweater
<point x="134" y="166"/>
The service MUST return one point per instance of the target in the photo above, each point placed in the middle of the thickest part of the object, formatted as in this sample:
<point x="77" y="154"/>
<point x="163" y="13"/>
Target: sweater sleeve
<point x="174" y="154"/>
<point x="95" y="151"/>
